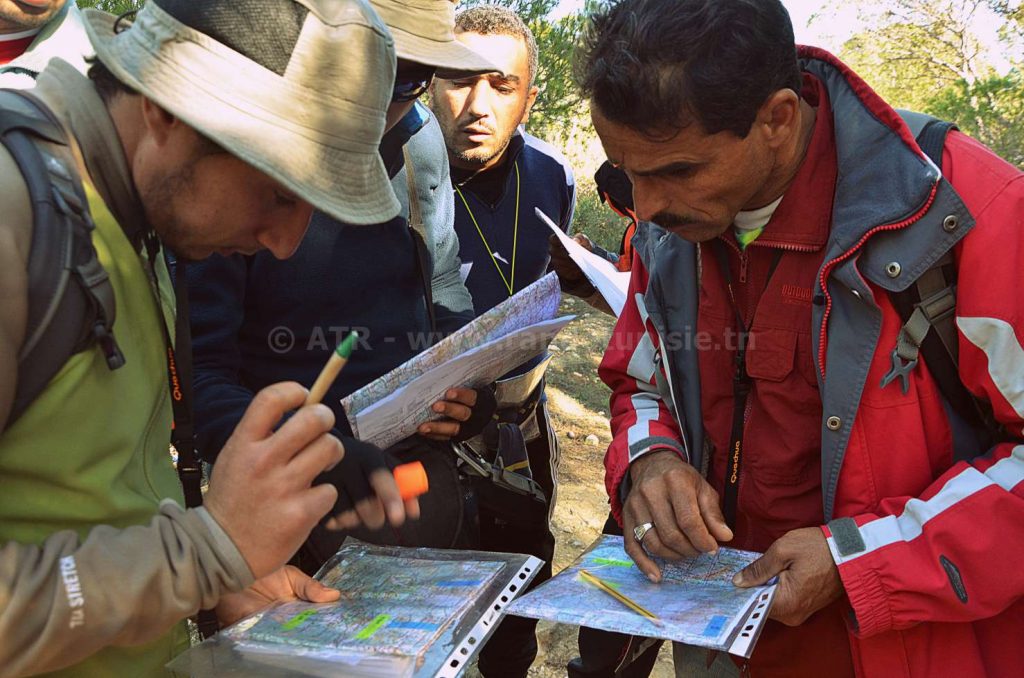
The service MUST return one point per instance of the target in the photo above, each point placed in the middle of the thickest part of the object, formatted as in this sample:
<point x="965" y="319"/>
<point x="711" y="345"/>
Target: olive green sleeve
<point x="66" y="599"/>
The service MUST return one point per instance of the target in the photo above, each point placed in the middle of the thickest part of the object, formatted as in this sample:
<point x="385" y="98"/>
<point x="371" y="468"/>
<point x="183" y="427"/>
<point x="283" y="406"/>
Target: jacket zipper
<point x="827" y="268"/>
<point x="745" y="257"/>
<point x="661" y="362"/>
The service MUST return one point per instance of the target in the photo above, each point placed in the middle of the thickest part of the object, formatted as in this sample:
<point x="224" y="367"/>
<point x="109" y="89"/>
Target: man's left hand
<point x="808" y="577"/>
<point x="456" y="408"/>
<point x="283" y="585"/>
<point x="466" y="412"/>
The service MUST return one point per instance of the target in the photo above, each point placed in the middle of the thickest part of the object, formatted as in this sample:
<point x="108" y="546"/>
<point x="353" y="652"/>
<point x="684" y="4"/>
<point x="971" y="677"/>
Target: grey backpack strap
<point x="931" y="301"/>
<point x="419" y="237"/>
<point x="928" y="311"/>
<point x="917" y="122"/>
<point x="71" y="301"/>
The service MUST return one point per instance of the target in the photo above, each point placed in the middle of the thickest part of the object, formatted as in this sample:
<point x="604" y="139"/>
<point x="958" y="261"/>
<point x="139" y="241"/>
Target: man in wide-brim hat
<point x="208" y="127"/>
<point x="345" y="276"/>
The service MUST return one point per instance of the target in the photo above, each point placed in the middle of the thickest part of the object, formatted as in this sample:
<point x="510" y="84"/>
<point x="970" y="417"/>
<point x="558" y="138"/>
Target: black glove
<point x="482" y="413"/>
<point x="351" y="476"/>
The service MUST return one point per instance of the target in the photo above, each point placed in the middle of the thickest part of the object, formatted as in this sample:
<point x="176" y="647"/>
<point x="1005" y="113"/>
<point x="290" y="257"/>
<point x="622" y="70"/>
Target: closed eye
<point x="284" y="199"/>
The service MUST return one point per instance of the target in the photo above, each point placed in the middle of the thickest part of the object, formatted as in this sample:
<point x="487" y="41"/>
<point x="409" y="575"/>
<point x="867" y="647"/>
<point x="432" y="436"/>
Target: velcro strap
<point x="847" y="537"/>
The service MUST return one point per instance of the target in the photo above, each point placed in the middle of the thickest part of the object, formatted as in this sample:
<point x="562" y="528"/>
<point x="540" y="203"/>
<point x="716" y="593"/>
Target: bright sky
<point x="800" y="11"/>
<point x="836" y="25"/>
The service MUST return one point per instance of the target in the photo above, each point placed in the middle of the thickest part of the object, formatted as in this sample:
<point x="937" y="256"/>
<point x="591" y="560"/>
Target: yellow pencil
<point x="618" y="596"/>
<point x="330" y="371"/>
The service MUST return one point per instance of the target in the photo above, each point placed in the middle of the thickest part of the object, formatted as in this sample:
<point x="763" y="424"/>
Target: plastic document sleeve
<point x="403" y="613"/>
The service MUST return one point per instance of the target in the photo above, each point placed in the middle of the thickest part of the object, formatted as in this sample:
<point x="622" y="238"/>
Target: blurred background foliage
<point x="112" y="6"/>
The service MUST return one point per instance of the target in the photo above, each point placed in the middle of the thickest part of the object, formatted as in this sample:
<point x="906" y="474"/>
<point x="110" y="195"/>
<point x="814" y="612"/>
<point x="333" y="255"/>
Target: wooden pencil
<point x="622" y="598"/>
<point x="330" y="371"/>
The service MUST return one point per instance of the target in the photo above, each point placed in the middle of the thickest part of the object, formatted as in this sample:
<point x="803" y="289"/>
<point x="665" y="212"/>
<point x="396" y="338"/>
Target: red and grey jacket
<point x="928" y="535"/>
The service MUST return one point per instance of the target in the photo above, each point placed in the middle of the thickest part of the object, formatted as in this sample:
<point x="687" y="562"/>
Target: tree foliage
<point x="990" y="110"/>
<point x="924" y="55"/>
<point x="112" y="6"/>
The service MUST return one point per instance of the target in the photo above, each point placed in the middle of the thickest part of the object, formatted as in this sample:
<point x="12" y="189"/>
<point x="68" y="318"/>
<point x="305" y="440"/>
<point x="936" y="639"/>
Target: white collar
<point x="750" y="220"/>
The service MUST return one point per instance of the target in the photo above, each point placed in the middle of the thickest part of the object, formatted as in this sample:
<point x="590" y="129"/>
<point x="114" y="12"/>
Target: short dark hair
<point x="496" y="20"/>
<point x="105" y="82"/>
<point x="657" y="65"/>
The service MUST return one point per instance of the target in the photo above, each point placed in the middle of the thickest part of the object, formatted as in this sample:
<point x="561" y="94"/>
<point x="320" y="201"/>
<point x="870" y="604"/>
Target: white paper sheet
<point x="609" y="281"/>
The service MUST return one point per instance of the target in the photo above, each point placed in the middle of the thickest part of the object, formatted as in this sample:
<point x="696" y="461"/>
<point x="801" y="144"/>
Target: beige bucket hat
<point x="424" y="32"/>
<point x="309" y="115"/>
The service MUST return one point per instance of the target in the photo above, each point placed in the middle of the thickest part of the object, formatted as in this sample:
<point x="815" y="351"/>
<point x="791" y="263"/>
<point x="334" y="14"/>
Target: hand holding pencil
<point x="375" y="493"/>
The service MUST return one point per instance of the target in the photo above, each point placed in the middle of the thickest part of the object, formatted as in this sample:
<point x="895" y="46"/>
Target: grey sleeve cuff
<point x="229" y="553"/>
<point x="654" y="443"/>
<point x="221" y="564"/>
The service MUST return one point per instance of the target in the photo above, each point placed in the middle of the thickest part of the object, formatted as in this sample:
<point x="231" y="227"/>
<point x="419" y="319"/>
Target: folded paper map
<point x="612" y="283"/>
<point x="391" y="407"/>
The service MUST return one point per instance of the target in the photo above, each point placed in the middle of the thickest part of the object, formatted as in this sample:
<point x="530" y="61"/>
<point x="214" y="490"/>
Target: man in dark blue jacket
<point x="257" y="320"/>
<point x="500" y="175"/>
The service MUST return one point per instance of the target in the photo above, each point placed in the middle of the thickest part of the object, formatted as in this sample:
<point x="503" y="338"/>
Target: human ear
<point x="778" y="118"/>
<point x="531" y="98"/>
<point x="160" y="125"/>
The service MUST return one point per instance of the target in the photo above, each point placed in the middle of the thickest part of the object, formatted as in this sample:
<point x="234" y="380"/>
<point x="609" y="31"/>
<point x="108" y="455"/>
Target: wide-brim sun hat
<point x="424" y="32"/>
<point x="305" y="103"/>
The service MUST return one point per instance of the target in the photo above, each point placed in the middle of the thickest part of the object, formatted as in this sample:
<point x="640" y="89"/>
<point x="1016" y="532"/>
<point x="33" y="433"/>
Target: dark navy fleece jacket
<point x="545" y="181"/>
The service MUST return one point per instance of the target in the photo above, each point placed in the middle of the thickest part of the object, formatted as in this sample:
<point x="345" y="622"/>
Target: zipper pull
<point x="743" y="266"/>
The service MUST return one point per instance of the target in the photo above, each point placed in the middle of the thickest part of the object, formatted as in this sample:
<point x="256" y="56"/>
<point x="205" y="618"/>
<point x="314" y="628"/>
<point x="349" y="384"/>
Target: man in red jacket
<point x="750" y="401"/>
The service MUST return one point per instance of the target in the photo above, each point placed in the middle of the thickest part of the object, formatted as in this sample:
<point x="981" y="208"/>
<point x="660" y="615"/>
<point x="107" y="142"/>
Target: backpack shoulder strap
<point x="929" y="132"/>
<point x="928" y="311"/>
<point x="70" y="299"/>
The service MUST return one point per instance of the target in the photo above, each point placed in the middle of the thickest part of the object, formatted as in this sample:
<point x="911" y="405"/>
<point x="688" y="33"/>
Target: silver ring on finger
<point x="640" y="531"/>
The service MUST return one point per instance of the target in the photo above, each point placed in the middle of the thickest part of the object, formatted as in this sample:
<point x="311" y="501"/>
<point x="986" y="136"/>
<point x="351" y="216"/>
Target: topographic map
<point x="530" y="306"/>
<point x="404" y="613"/>
<point x="696" y="602"/>
<point x="388" y="606"/>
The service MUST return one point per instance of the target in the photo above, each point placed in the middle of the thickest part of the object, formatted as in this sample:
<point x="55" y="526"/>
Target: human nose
<point x="478" y="100"/>
<point x="647" y="199"/>
<point x="282" y="238"/>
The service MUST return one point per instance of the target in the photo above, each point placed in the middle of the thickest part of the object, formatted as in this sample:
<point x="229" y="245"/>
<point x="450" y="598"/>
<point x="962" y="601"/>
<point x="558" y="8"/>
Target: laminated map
<point x="695" y="603"/>
<point x="403" y="613"/>
<point x="388" y="607"/>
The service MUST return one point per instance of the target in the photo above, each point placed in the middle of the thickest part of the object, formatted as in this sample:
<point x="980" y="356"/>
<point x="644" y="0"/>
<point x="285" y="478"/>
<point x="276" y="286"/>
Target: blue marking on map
<point x="458" y="583"/>
<point x="715" y="626"/>
<point x="413" y="625"/>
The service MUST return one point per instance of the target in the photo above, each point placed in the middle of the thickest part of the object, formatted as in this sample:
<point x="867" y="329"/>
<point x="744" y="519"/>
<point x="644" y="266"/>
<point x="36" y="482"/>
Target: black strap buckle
<point x="108" y="344"/>
<point x="900" y="368"/>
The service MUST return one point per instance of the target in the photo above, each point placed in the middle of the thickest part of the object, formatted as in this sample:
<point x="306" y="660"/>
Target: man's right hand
<point x="683" y="507"/>
<point x="261" y="489"/>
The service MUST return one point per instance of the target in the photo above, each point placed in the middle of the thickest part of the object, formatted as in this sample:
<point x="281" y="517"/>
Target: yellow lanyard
<point x="510" y="282"/>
